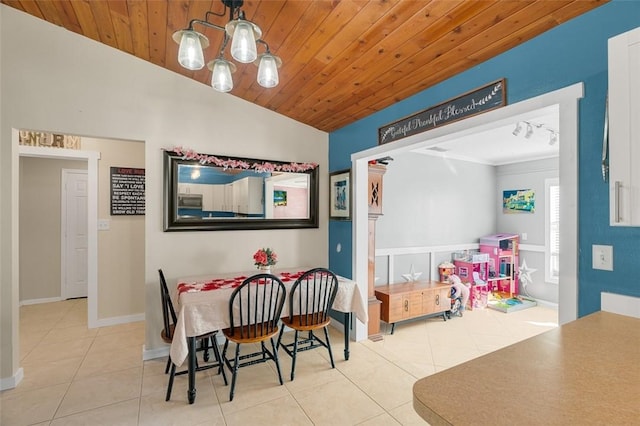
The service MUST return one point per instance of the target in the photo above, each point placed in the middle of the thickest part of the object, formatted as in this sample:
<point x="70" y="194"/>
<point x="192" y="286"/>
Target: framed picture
<point x="279" y="197"/>
<point x="340" y="195"/>
<point x="519" y="201"/>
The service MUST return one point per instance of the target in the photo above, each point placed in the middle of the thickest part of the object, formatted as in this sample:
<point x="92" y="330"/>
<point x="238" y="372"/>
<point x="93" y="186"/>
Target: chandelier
<point x="245" y="37"/>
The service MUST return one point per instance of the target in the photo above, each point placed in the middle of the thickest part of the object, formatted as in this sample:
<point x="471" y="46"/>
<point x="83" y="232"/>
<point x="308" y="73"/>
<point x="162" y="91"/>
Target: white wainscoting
<point x="432" y="251"/>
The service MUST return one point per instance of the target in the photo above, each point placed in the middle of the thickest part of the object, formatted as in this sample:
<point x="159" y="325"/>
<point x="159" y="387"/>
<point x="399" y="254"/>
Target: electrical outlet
<point x="103" y="224"/>
<point x="524" y="236"/>
<point x="602" y="257"/>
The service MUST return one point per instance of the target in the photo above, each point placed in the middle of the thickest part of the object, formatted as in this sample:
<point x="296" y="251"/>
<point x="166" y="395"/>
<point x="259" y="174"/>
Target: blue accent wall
<point x="573" y="52"/>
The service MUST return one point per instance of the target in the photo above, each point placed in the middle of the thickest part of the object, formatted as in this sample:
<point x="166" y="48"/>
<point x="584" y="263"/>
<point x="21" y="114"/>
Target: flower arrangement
<point x="265" y="257"/>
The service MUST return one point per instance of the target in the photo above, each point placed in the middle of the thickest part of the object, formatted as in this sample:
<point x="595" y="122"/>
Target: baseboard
<point x="547" y="304"/>
<point x="337" y="325"/>
<point x="148" y="354"/>
<point x="105" y="322"/>
<point x="38" y="301"/>
<point x="620" y="304"/>
<point x="13" y="381"/>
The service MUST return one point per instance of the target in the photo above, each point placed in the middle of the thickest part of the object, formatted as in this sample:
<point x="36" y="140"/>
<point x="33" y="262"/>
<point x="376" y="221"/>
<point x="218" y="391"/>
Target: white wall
<point x="121" y="248"/>
<point x="526" y="175"/>
<point x="54" y="80"/>
<point x="457" y="202"/>
<point x="529" y="175"/>
<point x="430" y="201"/>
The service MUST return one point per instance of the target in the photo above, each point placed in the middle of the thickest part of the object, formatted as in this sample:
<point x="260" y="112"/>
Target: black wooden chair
<point x="310" y="300"/>
<point x="207" y="340"/>
<point x="254" y="312"/>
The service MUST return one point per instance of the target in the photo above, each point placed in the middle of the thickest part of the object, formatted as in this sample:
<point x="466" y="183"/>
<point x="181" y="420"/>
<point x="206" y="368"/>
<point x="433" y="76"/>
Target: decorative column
<point x="376" y="172"/>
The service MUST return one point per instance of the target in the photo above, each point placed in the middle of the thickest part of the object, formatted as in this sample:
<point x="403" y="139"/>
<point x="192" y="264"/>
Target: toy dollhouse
<point x="473" y="269"/>
<point x="502" y="250"/>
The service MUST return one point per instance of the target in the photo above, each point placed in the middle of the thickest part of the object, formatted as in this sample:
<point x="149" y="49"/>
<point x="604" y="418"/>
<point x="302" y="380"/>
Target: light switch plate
<point x="602" y="257"/>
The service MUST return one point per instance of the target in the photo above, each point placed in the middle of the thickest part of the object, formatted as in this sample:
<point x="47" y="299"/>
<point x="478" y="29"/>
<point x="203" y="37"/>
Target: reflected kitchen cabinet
<point x="199" y="189"/>
<point x="218" y="195"/>
<point x="248" y="195"/>
<point x="207" y="196"/>
<point x="185" y="188"/>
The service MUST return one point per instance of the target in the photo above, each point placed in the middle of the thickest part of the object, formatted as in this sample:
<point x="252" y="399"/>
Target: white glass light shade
<point x="221" y="78"/>
<point x="268" y="71"/>
<point x="243" y="42"/>
<point x="190" y="53"/>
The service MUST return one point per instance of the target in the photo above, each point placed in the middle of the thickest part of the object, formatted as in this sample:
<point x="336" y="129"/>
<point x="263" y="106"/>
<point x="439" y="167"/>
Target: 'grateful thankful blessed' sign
<point x="480" y="100"/>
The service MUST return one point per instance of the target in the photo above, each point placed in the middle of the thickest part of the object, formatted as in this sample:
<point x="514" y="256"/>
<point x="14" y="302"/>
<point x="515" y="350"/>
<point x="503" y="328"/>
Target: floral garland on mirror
<point x="261" y="167"/>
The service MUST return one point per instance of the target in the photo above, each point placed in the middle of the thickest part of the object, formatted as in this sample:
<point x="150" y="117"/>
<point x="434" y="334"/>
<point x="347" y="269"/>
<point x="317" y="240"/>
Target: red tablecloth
<point x="201" y="310"/>
<point x="233" y="282"/>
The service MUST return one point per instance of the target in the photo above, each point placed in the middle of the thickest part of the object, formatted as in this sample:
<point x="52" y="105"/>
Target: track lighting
<point x="529" y="131"/>
<point x="531" y="128"/>
<point x="517" y="130"/>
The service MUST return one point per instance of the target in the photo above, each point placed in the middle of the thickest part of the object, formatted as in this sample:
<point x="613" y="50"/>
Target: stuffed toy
<point x="460" y="290"/>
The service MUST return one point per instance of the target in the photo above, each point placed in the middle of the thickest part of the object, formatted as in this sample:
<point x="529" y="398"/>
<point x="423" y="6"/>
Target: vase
<point x="265" y="269"/>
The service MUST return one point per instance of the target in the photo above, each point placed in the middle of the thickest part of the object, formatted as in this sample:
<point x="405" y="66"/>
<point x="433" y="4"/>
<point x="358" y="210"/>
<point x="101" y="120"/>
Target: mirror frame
<point x="171" y="222"/>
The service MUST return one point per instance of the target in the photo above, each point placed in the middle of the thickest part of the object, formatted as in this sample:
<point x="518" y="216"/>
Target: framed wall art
<point x="340" y="195"/>
<point x="519" y="201"/>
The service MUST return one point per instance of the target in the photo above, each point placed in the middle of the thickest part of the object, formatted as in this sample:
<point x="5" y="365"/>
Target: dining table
<point x="202" y="306"/>
<point x="584" y="372"/>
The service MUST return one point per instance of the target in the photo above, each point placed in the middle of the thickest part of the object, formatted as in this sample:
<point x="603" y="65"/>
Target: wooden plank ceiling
<point x="342" y="59"/>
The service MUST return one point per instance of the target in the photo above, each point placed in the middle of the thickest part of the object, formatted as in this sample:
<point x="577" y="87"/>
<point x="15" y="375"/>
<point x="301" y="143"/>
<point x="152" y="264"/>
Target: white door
<point x="74" y="233"/>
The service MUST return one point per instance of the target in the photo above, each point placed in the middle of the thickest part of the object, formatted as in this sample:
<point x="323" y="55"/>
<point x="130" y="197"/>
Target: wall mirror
<point x="209" y="192"/>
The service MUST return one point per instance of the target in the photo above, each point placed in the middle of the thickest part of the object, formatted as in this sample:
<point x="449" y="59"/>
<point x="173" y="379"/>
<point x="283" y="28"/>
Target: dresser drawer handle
<point x="406" y="306"/>
<point x="437" y="299"/>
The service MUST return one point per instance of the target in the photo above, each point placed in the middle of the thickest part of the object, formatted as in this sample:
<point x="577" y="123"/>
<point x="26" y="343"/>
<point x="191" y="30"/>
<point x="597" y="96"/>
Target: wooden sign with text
<point x="480" y="100"/>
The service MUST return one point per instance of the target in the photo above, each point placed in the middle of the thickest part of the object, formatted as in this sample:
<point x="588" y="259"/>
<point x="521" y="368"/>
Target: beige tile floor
<point x="79" y="376"/>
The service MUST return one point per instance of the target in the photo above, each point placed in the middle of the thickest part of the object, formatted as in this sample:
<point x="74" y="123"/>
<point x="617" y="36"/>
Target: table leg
<point x="347" y="332"/>
<point x="191" y="392"/>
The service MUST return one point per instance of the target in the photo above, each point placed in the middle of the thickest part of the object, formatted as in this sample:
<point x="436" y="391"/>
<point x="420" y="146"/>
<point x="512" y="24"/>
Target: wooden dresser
<point x="414" y="299"/>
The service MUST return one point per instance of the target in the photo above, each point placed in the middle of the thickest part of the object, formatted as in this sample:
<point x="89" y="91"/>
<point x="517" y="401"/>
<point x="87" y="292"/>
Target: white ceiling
<point x="499" y="146"/>
<point x="291" y="180"/>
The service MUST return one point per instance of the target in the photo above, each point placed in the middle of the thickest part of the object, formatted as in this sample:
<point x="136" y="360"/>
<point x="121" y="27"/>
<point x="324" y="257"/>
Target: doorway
<point x="73" y="235"/>
<point x="91" y="158"/>
<point x="567" y="101"/>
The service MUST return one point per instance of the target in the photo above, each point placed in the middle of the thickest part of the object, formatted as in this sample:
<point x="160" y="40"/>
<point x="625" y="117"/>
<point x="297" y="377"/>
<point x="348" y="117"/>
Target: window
<point x="552" y="228"/>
